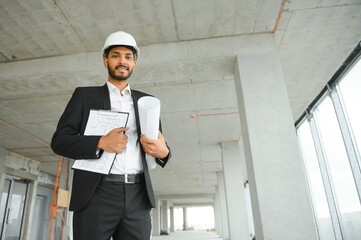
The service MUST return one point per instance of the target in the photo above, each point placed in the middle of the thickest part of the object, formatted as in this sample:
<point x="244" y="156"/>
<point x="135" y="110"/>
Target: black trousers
<point x="117" y="210"/>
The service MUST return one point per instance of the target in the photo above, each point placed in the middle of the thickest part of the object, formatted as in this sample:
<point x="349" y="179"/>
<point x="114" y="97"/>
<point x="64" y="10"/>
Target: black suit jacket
<point x="69" y="141"/>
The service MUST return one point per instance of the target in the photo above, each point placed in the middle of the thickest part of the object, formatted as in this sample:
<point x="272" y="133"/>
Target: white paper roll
<point x="149" y="112"/>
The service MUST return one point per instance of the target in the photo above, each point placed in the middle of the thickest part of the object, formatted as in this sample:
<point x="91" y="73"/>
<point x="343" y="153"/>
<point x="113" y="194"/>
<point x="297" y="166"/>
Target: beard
<point x="113" y="75"/>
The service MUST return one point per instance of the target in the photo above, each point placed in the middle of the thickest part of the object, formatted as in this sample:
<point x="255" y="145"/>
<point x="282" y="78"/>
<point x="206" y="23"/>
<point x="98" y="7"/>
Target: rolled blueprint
<point x="149" y="111"/>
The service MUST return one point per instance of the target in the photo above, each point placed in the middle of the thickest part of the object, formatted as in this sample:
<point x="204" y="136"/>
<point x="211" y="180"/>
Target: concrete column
<point x="217" y="221"/>
<point x="223" y="206"/>
<point x="156" y="219"/>
<point x="171" y="209"/>
<point x="217" y="214"/>
<point x="2" y="169"/>
<point x="280" y="201"/>
<point x="236" y="201"/>
<point x="164" y="219"/>
<point x="185" y="223"/>
<point x="33" y="188"/>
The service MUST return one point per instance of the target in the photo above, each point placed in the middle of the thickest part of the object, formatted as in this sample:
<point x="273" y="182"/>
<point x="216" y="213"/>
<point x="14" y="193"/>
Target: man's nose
<point x="122" y="60"/>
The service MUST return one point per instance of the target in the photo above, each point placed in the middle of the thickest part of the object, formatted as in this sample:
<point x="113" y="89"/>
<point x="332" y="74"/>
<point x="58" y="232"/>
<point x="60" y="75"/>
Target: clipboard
<point x="100" y="123"/>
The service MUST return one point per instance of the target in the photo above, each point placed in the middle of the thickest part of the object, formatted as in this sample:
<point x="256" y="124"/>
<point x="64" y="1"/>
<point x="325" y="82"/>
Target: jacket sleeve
<point x="162" y="162"/>
<point x="68" y="140"/>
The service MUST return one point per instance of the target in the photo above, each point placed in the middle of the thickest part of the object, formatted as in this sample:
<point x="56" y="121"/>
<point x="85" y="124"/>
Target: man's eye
<point x="115" y="56"/>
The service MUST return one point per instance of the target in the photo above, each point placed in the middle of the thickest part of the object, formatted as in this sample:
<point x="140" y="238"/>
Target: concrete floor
<point x="189" y="235"/>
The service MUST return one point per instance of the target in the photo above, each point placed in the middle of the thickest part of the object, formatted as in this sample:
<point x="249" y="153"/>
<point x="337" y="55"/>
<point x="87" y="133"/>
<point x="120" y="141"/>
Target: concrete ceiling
<point x="188" y="49"/>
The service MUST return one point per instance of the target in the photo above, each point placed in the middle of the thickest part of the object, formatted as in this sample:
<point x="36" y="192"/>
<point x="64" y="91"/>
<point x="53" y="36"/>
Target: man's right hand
<point x="115" y="141"/>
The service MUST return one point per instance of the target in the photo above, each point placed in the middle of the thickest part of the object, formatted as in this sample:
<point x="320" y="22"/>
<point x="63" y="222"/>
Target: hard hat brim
<point x="136" y="49"/>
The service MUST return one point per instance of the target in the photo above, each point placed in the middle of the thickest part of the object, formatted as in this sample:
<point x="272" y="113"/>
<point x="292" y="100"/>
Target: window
<point x="317" y="188"/>
<point x="329" y="136"/>
<point x="349" y="89"/>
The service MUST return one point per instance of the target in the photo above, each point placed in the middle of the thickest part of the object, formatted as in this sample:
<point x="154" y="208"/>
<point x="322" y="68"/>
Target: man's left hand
<point x="155" y="147"/>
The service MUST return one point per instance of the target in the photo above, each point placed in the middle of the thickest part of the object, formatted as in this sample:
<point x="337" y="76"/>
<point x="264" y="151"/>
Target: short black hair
<point x="108" y="49"/>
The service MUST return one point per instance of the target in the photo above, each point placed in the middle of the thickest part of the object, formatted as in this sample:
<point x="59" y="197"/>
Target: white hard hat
<point x="121" y="38"/>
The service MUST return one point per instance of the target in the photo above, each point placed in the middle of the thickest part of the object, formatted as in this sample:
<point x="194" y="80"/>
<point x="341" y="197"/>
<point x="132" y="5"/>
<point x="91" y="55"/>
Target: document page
<point x="101" y="122"/>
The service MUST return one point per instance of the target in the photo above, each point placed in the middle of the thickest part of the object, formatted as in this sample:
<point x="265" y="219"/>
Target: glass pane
<point x="37" y="226"/>
<point x="317" y="189"/>
<point x="340" y="170"/>
<point x="349" y="88"/>
<point x="3" y="204"/>
<point x="249" y="210"/>
<point x="17" y="203"/>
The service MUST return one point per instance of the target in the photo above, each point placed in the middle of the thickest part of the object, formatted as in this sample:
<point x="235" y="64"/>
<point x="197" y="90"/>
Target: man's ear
<point x="105" y="62"/>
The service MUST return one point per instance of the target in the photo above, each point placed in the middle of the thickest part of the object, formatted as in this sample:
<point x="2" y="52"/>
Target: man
<point x="116" y="205"/>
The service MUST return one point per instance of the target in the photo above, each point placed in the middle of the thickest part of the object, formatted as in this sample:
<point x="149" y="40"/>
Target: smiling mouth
<point x="121" y="68"/>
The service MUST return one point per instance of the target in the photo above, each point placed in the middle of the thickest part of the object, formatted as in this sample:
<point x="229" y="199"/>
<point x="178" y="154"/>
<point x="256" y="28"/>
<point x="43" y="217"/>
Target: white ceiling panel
<point x="211" y="152"/>
<point x="219" y="127"/>
<point x="212" y="167"/>
<point x="182" y="125"/>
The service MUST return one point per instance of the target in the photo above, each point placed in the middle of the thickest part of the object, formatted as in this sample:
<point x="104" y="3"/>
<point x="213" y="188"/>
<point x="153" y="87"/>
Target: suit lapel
<point x="106" y="98"/>
<point x="136" y="96"/>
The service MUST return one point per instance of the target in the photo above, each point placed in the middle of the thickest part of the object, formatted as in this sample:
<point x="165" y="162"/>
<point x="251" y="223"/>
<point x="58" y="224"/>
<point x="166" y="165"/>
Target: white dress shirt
<point x="130" y="161"/>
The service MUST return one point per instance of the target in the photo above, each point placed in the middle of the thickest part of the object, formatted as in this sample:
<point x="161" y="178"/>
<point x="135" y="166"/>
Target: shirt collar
<point x="113" y="89"/>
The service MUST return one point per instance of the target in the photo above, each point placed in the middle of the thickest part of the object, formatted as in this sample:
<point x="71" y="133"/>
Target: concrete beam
<point x="185" y="196"/>
<point x="205" y="204"/>
<point x="92" y="61"/>
<point x="63" y="73"/>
